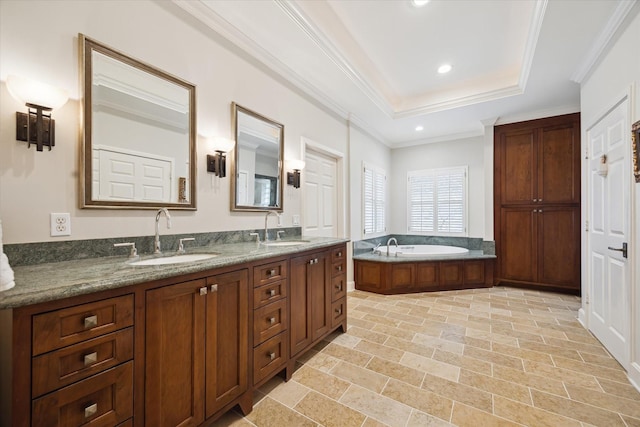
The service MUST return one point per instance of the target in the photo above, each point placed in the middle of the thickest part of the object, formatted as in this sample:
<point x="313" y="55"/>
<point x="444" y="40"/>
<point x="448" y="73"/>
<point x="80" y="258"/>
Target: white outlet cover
<point x="60" y="224"/>
<point x="296" y="219"/>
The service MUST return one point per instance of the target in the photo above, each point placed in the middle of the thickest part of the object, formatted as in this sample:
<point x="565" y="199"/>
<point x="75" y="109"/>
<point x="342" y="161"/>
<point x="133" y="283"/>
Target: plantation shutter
<point x="374" y="194"/>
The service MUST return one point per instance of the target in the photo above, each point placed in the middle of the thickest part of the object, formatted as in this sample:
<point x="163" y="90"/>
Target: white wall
<point x="466" y="152"/>
<point x="34" y="184"/>
<point x="618" y="74"/>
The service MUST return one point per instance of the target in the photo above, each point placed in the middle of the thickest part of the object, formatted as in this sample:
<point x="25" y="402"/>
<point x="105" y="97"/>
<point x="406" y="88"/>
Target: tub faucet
<point x="266" y="230"/>
<point x="389" y="242"/>
<point x="156" y="245"/>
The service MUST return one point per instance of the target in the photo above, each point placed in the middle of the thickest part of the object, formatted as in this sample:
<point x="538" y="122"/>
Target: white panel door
<point x="320" y="194"/>
<point x="609" y="216"/>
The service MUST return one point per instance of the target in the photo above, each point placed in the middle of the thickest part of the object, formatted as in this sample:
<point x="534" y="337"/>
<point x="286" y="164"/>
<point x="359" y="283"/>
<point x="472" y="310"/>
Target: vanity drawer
<point x="268" y="273"/>
<point x="270" y="357"/>
<point x="71" y="325"/>
<point x="269" y="293"/>
<point x="338" y="254"/>
<point x="269" y="320"/>
<point x="62" y="367"/>
<point x="338" y="268"/>
<point x="338" y="287"/>
<point x="338" y="312"/>
<point x="105" y="399"/>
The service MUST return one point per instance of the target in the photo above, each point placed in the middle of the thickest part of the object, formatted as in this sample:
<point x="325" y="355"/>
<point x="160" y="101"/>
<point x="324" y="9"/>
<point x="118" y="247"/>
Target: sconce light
<point x="293" y="178"/>
<point x="36" y="126"/>
<point x="217" y="163"/>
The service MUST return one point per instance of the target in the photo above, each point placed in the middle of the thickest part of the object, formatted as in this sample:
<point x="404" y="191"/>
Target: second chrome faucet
<point x="156" y="245"/>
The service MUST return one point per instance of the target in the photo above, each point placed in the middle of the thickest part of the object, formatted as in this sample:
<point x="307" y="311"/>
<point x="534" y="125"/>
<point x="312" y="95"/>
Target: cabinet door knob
<point x="535" y="210"/>
<point x="272" y="292"/>
<point x="272" y="320"/>
<point x="91" y="358"/>
<point x="339" y="287"/>
<point x="90" y="321"/>
<point x="271" y="272"/>
<point x="203" y="290"/>
<point x="272" y="356"/>
<point x="339" y="268"/>
<point x="340" y="253"/>
<point x="91" y="410"/>
<point x="214" y="288"/>
<point x="535" y="200"/>
<point x="339" y="310"/>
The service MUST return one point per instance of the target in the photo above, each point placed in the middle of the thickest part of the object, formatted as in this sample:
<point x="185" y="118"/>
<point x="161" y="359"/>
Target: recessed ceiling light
<point x="444" y="68"/>
<point x="419" y="3"/>
<point x="419" y="128"/>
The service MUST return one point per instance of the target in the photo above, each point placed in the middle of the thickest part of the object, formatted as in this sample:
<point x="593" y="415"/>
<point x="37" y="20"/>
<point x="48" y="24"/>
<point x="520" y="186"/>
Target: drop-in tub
<point x="419" y="250"/>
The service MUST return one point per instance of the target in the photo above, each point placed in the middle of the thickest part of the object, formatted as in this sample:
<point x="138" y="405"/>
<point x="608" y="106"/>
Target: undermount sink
<point x="285" y="243"/>
<point x="174" y="259"/>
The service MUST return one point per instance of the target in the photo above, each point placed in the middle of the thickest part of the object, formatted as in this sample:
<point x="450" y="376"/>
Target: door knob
<point x="623" y="249"/>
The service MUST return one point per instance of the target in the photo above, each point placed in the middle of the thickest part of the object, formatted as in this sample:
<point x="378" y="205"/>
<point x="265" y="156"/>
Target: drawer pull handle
<point x="91" y="410"/>
<point x="214" y="288"/>
<point x="271" y="272"/>
<point x="313" y="261"/>
<point x="340" y="253"/>
<point x="339" y="287"/>
<point x="90" y="322"/>
<point x="272" y="320"/>
<point x="272" y="356"/>
<point x="339" y="310"/>
<point x="203" y="290"/>
<point x="91" y="358"/>
<point x="339" y="268"/>
<point x="272" y="292"/>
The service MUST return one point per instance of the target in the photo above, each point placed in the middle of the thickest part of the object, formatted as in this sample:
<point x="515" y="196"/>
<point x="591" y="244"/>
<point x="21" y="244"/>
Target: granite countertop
<point x="370" y="256"/>
<point x="58" y="280"/>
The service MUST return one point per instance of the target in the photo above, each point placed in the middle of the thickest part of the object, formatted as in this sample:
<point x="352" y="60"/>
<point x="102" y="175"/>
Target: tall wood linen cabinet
<point x="537" y="203"/>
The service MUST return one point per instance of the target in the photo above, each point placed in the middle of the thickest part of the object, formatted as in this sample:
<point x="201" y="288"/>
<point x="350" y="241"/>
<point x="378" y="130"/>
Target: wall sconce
<point x="36" y="126"/>
<point x="217" y="163"/>
<point x="293" y="178"/>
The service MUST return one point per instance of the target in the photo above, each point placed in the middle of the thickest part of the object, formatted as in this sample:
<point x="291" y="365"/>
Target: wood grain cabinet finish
<point x="537" y="202"/>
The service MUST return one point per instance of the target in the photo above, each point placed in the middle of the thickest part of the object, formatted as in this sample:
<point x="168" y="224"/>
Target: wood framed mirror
<point x="256" y="169"/>
<point x="139" y="133"/>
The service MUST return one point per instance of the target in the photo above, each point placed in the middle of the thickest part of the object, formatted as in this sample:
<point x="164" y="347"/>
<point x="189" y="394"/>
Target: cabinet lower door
<point x="559" y="246"/>
<point x="300" y="323"/>
<point x="174" y="355"/>
<point x="227" y="339"/>
<point x="518" y="251"/>
<point x="319" y="285"/>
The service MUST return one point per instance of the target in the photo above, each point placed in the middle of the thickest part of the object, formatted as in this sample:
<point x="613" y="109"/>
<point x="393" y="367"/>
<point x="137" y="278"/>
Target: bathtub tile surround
<point x="498" y="356"/>
<point x="45" y="252"/>
<point x="471" y="243"/>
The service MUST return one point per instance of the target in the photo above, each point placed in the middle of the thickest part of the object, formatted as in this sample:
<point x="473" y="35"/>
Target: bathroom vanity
<point x="102" y="343"/>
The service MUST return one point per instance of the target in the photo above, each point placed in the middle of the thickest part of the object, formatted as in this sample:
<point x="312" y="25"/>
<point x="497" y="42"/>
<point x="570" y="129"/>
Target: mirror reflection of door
<point x="266" y="190"/>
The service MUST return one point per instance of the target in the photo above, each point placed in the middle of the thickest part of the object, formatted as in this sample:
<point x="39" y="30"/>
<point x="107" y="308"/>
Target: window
<point x="373" y="194"/>
<point x="437" y="201"/>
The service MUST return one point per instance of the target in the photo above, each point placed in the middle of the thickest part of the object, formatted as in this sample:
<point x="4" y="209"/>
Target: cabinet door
<point x="517" y="165"/>
<point x="518" y="249"/>
<point x="174" y="355"/>
<point x="559" y="246"/>
<point x="319" y="284"/>
<point x="300" y="323"/>
<point x="227" y="339"/>
<point x="402" y="276"/>
<point x="559" y="164"/>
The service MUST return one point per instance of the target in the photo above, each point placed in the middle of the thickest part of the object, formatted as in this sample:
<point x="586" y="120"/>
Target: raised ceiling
<point x="375" y="62"/>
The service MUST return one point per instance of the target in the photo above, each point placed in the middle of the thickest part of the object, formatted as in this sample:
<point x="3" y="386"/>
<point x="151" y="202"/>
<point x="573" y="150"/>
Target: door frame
<point x="632" y="367"/>
<point x="341" y="173"/>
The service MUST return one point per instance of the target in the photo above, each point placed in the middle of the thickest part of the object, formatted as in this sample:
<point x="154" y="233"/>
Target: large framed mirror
<point x="139" y="134"/>
<point x="256" y="170"/>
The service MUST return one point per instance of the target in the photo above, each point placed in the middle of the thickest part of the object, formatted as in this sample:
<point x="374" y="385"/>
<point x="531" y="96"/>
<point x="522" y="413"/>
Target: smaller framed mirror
<point x="139" y="136"/>
<point x="256" y="170"/>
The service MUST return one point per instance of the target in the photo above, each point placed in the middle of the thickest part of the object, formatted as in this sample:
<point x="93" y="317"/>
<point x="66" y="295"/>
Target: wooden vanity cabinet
<point x="196" y="348"/>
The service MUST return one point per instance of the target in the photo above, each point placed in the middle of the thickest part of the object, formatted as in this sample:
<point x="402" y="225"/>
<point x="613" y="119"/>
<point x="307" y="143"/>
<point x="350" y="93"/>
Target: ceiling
<point x="375" y="62"/>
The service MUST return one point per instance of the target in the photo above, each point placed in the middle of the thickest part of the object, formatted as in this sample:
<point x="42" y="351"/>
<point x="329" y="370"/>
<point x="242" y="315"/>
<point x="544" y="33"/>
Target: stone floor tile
<point x="381" y="408"/>
<point x="368" y="335"/>
<point x="397" y="371"/>
<point x="522" y="353"/>
<point x="464" y="362"/>
<point x="511" y="390"/>
<point x="431" y="366"/>
<point x="495" y="358"/>
<point x="615" y="374"/>
<point x="453" y="390"/>
<point x="466" y="416"/>
<point x="408" y="346"/>
<point x="420" y="419"/>
<point x="269" y="413"/>
<point x="347" y="354"/>
<point x="329" y="413"/>
<point x="576" y="410"/>
<point x="549" y="385"/>
<point x="380" y="350"/>
<point x="627" y="406"/>
<point x="565" y="375"/>
<point x="624" y="389"/>
<point x="528" y="415"/>
<point x="363" y="377"/>
<point x="319" y="381"/>
<point x="438" y="343"/>
<point x="466" y="340"/>
<point x="289" y="393"/>
<point x="420" y="399"/>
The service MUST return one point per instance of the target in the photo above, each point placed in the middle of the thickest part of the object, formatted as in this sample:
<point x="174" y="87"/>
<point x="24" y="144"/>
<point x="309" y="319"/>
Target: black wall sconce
<point x="217" y="163"/>
<point x="36" y="126"/>
<point x="293" y="178"/>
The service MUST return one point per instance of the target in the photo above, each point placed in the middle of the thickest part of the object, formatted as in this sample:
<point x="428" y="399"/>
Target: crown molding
<point x="602" y="42"/>
<point x="532" y="115"/>
<point x="532" y="41"/>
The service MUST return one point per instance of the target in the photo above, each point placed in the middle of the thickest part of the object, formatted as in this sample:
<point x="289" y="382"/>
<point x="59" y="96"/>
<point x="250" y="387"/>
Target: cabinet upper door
<point x="517" y="162"/>
<point x="559" y="164"/>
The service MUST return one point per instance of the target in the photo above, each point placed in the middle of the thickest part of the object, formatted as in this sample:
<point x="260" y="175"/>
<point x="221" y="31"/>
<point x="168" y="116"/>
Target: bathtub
<point x="420" y="250"/>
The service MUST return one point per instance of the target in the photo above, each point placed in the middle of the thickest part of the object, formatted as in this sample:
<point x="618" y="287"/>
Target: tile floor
<point x="483" y="357"/>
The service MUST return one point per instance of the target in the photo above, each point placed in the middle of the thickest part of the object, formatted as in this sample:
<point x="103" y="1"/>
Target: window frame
<point x="465" y="200"/>
<point x="377" y="172"/>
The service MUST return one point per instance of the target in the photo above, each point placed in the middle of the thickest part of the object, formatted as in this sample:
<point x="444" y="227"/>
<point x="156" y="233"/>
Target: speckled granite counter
<point x="57" y="280"/>
<point x="473" y="254"/>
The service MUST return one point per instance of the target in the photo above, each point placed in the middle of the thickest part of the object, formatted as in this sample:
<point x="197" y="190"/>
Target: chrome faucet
<point x="389" y="241"/>
<point x="156" y="245"/>
<point x="266" y="230"/>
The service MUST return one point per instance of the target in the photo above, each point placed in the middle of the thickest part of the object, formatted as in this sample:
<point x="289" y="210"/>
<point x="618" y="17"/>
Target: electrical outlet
<point x="60" y="224"/>
<point x="296" y="220"/>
